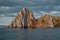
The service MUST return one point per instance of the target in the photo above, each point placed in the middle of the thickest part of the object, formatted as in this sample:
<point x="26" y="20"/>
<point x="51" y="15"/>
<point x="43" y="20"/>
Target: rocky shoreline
<point x="25" y="19"/>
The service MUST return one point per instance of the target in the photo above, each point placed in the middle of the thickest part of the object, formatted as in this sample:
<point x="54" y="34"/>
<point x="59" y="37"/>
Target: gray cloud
<point x="7" y="3"/>
<point x="26" y="2"/>
<point x="8" y="7"/>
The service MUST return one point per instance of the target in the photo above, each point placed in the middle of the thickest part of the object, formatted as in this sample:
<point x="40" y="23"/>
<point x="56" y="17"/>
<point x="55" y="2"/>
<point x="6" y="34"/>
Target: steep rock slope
<point x="25" y="19"/>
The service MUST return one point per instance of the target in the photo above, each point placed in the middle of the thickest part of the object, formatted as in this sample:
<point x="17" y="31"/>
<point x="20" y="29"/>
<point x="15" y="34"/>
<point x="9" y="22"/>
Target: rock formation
<point x="25" y="19"/>
<point x="56" y="21"/>
<point x="45" y="21"/>
<point x="48" y="21"/>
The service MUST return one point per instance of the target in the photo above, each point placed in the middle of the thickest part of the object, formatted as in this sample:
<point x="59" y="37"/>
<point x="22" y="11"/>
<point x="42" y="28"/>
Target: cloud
<point x="39" y="6"/>
<point x="26" y="2"/>
<point x="54" y="12"/>
<point x="4" y="8"/>
<point x="2" y="15"/>
<point x="57" y="8"/>
<point x="40" y="13"/>
<point x="19" y="1"/>
<point x="9" y="15"/>
<point x="6" y="20"/>
<point x="12" y="14"/>
<point x="8" y="9"/>
<point x="8" y="3"/>
<point x="51" y="12"/>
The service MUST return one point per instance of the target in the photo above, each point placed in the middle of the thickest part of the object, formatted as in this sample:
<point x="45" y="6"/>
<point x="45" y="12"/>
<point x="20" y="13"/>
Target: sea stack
<point x="25" y="19"/>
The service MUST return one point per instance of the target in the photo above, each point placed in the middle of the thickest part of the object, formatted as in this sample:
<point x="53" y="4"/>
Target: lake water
<point x="29" y="34"/>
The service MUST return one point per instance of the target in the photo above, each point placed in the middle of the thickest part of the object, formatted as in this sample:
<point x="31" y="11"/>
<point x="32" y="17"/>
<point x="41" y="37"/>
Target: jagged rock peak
<point x="24" y="9"/>
<point x="23" y="19"/>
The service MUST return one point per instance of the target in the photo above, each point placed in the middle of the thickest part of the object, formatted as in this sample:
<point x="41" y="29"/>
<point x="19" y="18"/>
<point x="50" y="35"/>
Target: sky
<point x="10" y="8"/>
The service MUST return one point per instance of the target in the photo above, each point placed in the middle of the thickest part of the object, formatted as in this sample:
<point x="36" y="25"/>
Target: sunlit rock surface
<point x="56" y="21"/>
<point x="45" y="21"/>
<point x="25" y="19"/>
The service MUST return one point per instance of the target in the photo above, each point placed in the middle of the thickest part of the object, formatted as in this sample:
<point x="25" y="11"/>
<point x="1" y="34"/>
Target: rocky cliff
<point x="48" y="21"/>
<point x="45" y="21"/>
<point x="25" y="19"/>
<point x="56" y="21"/>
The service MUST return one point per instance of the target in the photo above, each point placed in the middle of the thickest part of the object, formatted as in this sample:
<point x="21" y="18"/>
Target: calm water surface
<point x="29" y="34"/>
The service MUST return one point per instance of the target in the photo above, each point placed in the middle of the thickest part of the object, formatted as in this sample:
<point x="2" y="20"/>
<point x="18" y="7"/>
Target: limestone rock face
<point x="48" y="21"/>
<point x="56" y="21"/>
<point x="17" y="22"/>
<point x="45" y="21"/>
<point x="24" y="19"/>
